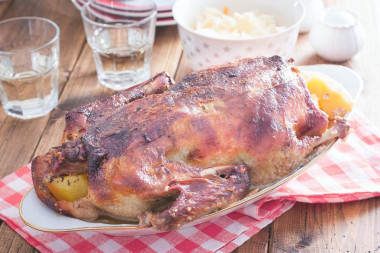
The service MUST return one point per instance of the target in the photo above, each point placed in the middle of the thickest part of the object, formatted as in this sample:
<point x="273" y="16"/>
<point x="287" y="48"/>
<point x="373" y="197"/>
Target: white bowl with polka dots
<point x="203" y="51"/>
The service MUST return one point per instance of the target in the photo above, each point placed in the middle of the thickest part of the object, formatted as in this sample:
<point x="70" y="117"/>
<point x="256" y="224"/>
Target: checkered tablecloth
<point x="350" y="171"/>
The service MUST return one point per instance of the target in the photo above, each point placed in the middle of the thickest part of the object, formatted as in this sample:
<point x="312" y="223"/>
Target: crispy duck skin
<point x="198" y="146"/>
<point x="78" y="119"/>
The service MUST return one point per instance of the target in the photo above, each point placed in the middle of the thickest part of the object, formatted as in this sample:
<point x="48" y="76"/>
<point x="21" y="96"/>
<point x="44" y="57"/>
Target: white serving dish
<point x="203" y="51"/>
<point x="36" y="215"/>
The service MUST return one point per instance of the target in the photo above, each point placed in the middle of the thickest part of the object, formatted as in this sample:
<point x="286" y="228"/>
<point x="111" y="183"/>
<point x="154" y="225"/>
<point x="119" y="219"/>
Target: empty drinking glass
<point x="121" y="35"/>
<point x="29" y="60"/>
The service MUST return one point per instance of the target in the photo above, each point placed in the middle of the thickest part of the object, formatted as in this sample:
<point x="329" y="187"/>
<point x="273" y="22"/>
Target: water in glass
<point x="29" y="94"/>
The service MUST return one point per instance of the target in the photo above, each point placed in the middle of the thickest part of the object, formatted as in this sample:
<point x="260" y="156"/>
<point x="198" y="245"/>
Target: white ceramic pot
<point x="337" y="36"/>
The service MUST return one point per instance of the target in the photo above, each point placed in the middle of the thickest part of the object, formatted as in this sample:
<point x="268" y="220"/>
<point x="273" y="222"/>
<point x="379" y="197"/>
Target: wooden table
<point x="348" y="227"/>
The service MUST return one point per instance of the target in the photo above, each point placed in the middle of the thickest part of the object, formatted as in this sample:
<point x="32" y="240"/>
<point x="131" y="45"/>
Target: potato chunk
<point x="333" y="99"/>
<point x="69" y="188"/>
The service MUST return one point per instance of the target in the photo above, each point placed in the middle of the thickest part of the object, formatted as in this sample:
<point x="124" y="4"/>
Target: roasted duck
<point x="167" y="153"/>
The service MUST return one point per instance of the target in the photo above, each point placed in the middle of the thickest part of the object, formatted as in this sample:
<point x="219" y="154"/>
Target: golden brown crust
<point x="79" y="119"/>
<point x="254" y="116"/>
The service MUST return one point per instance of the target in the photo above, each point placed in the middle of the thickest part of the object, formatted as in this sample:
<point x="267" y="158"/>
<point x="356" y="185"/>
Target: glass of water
<point x="121" y="35"/>
<point x="29" y="60"/>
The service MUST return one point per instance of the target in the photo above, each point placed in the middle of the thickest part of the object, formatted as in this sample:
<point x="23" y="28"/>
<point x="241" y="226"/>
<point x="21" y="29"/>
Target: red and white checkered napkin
<point x="350" y="171"/>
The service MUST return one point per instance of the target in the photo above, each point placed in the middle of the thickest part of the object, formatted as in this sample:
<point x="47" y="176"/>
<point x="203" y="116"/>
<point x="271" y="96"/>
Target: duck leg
<point x="70" y="158"/>
<point x="215" y="188"/>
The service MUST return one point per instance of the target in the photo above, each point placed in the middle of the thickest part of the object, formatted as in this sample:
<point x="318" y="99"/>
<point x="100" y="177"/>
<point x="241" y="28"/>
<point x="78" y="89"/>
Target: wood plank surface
<point x="167" y="51"/>
<point x="347" y="227"/>
<point x="22" y="136"/>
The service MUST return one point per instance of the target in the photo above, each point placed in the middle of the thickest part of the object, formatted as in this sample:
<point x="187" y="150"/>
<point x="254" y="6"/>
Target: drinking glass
<point x="29" y="60"/>
<point x="121" y="35"/>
